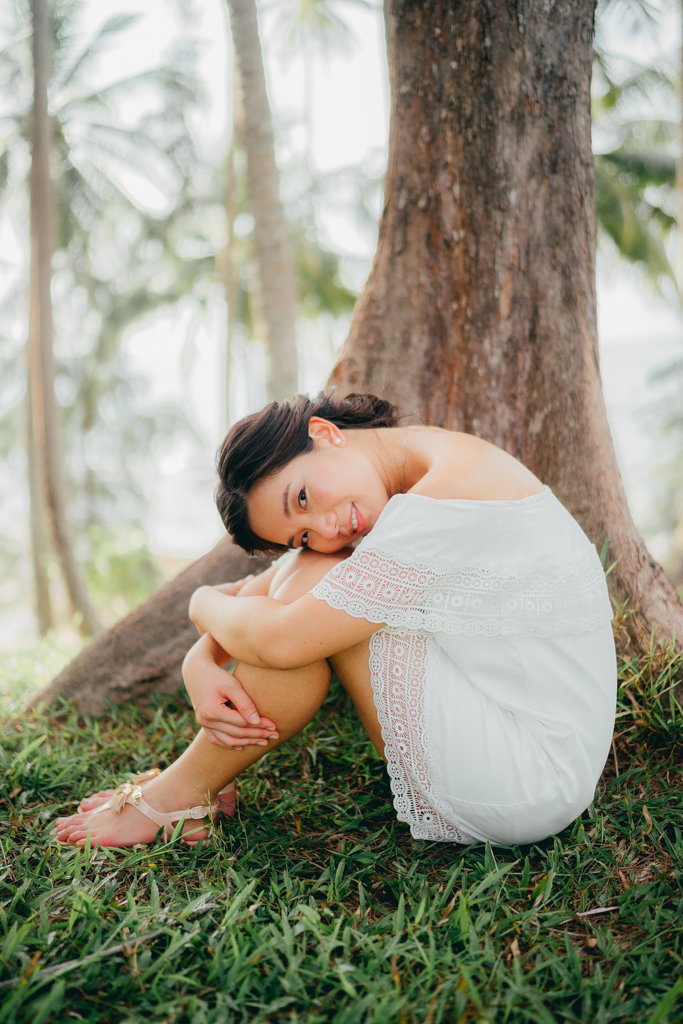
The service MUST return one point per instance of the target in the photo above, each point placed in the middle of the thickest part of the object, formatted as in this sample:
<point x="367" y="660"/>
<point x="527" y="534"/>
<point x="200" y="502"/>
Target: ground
<point x="315" y="905"/>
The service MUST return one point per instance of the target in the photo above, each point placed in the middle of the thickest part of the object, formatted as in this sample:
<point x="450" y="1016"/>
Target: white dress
<point x="494" y="675"/>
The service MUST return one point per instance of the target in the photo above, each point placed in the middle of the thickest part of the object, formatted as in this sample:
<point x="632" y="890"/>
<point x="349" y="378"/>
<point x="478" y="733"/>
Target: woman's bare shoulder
<point x="460" y="465"/>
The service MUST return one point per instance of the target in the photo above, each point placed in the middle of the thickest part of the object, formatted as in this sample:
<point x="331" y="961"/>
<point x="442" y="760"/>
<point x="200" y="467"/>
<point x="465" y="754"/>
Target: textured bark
<point x="480" y="312"/>
<point x="143" y="654"/>
<point x="45" y="413"/>
<point x="272" y="241"/>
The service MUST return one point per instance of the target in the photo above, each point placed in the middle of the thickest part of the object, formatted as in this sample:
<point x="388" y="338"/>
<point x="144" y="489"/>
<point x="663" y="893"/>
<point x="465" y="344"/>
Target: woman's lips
<point x="360" y="520"/>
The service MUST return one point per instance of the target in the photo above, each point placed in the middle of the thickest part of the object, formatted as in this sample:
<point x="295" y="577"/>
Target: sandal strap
<point x="136" y="799"/>
<point x="161" y="819"/>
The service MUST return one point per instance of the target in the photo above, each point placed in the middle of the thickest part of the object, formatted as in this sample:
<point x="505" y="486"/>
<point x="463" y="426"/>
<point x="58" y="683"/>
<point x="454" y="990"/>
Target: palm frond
<point x="71" y="73"/>
<point x="636" y="226"/>
<point x="633" y="16"/>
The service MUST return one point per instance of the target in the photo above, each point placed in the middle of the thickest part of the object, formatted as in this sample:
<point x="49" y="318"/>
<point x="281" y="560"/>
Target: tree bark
<point x="44" y="410"/>
<point x="143" y="654"/>
<point x="480" y="311"/>
<point x="272" y="241"/>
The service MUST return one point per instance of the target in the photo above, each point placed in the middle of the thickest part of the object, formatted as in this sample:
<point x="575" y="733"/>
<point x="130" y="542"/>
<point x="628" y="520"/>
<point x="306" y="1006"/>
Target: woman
<point x="461" y="606"/>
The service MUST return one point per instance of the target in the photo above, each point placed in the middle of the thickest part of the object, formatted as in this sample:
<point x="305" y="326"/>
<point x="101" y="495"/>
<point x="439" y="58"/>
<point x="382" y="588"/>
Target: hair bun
<point x="360" y="411"/>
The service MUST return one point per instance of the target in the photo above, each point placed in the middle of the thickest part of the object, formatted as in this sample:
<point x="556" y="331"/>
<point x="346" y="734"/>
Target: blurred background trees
<point x="638" y="135"/>
<point x="154" y="231"/>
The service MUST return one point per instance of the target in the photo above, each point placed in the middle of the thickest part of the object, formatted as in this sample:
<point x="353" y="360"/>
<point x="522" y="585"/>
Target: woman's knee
<point x="305" y="570"/>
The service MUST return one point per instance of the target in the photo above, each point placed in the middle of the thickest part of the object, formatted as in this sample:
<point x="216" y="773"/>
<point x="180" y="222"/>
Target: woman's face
<point x="322" y="500"/>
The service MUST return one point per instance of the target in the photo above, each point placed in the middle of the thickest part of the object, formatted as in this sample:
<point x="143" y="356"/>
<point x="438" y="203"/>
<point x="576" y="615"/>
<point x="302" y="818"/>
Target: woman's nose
<point x="327" y="526"/>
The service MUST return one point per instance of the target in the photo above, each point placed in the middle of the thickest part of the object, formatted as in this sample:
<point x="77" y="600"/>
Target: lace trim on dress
<point x="402" y="668"/>
<point x="479" y="599"/>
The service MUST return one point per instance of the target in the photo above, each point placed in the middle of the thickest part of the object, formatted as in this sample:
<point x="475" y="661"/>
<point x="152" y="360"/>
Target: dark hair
<point x="261" y="444"/>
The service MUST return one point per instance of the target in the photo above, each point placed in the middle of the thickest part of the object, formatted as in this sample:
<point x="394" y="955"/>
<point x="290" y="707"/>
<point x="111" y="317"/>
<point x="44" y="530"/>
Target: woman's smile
<point x="357" y="523"/>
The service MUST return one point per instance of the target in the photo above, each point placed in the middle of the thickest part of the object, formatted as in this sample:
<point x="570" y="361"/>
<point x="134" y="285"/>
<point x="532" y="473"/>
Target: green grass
<point x="317" y="906"/>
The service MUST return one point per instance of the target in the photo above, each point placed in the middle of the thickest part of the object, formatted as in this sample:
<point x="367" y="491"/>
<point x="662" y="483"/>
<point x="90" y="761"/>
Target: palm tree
<point x="276" y="296"/>
<point x="82" y="154"/>
<point x="44" y="412"/>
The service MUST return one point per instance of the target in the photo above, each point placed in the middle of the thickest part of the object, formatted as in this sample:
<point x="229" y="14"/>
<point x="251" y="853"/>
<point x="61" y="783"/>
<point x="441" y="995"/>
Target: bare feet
<point x="127" y="828"/>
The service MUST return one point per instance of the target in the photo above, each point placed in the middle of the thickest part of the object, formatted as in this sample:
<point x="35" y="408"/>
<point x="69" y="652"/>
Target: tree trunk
<point x="45" y="413"/>
<point x="143" y="654"/>
<point x="480" y="312"/>
<point x="272" y="241"/>
<point x="228" y="264"/>
<point x="39" y="549"/>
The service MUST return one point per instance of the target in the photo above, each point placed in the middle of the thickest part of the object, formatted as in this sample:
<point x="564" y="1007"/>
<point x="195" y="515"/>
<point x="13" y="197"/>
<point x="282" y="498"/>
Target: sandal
<point x="131" y="793"/>
<point x="226" y="798"/>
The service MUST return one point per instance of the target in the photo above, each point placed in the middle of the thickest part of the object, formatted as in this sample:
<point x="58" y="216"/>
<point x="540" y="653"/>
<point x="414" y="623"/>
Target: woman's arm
<point x="249" y="586"/>
<point x="267" y="633"/>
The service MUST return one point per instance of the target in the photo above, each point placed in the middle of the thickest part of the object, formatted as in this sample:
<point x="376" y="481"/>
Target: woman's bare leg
<point x="352" y="669"/>
<point x="290" y="698"/>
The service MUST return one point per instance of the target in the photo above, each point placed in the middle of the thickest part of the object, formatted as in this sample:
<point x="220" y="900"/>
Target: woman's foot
<point x="109" y="828"/>
<point x="130" y="826"/>
<point x="226" y="800"/>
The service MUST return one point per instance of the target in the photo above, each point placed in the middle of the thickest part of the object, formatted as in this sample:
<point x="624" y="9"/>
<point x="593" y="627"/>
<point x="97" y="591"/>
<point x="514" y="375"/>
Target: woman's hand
<point x="213" y="690"/>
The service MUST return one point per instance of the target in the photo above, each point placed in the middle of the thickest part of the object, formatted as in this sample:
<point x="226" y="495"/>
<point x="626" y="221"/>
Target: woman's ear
<point x="324" y="433"/>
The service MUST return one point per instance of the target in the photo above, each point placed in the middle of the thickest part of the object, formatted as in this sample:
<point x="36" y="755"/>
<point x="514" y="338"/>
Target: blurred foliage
<point x="134" y="234"/>
<point x="31" y="666"/>
<point x="115" y="261"/>
<point x="635" y="167"/>
<point x="636" y="129"/>
<point x="121" y="570"/>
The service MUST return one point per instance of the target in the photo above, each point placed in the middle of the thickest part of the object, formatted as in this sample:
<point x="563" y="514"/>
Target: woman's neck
<point x="399" y="463"/>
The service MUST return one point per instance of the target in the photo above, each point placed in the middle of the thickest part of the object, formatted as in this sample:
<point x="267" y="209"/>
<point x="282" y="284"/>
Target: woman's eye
<point x="302" y="498"/>
<point x="304" y="540"/>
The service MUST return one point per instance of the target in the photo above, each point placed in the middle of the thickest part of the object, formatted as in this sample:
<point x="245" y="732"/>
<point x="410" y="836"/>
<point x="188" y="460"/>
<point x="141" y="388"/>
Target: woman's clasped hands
<point x="221" y="705"/>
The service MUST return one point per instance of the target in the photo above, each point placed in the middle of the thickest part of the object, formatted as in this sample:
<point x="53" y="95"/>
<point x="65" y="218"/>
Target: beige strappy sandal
<point x="131" y="793"/>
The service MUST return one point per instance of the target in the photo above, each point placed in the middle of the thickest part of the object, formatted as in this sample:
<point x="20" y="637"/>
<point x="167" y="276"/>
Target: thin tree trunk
<point x="228" y="259"/>
<point x="39" y="548"/>
<point x="45" y="413"/>
<point x="272" y="240"/>
<point x="229" y="274"/>
<point x="480" y="311"/>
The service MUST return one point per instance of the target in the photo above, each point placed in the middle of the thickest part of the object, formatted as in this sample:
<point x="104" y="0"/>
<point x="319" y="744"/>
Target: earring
<point x="337" y="440"/>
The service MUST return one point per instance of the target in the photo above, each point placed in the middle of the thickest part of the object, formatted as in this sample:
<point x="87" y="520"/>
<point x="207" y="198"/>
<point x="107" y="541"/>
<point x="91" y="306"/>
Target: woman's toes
<point x="75" y="836"/>
<point x="88" y="803"/>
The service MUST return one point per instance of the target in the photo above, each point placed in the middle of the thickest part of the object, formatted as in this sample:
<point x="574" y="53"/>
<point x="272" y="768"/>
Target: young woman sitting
<point x="461" y="606"/>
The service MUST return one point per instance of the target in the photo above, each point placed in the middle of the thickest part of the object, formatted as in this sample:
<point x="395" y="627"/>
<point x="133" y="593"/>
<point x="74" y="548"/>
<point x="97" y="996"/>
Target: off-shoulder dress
<point x="494" y="670"/>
